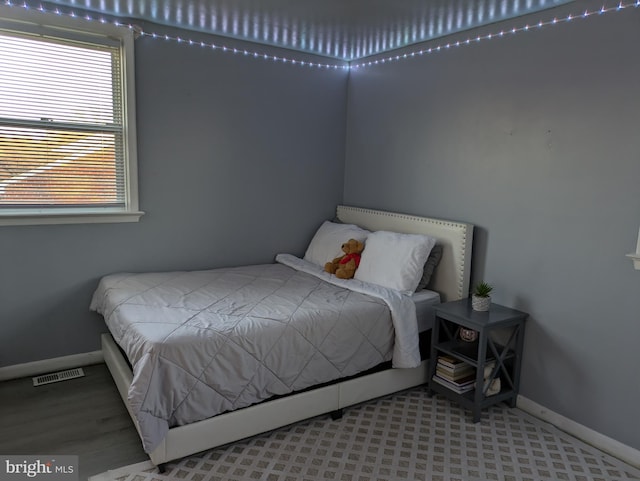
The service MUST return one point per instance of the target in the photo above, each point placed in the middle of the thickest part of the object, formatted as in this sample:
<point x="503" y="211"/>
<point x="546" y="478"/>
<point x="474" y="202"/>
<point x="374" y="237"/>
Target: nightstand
<point x="457" y="368"/>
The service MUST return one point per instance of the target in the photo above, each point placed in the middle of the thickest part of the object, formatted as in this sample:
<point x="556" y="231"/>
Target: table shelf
<point x="490" y="359"/>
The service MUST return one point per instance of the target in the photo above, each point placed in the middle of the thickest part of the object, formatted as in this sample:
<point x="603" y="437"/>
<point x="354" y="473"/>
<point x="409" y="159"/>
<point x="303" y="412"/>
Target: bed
<point x="383" y="320"/>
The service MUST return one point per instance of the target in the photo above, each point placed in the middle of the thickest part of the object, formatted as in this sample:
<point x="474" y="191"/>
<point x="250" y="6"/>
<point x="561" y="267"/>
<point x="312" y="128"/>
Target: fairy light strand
<point x="240" y="51"/>
<point x="181" y="40"/>
<point x="502" y="33"/>
<point x="354" y="64"/>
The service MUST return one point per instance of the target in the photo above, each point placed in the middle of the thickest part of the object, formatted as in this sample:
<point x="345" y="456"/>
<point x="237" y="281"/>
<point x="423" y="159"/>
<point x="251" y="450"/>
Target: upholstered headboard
<point x="451" y="278"/>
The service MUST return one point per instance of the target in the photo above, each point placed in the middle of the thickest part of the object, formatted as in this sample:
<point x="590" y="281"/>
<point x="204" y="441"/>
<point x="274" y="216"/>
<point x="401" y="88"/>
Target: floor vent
<point x="58" y="376"/>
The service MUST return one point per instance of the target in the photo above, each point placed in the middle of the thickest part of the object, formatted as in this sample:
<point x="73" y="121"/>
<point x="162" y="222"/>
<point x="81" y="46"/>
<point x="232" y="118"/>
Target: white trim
<point x="604" y="443"/>
<point x="44" y="366"/>
<point x="90" y="217"/>
<point x="636" y="260"/>
<point x="64" y="27"/>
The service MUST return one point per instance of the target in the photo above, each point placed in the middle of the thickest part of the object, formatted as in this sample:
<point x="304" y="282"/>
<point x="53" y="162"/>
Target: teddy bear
<point x="344" y="267"/>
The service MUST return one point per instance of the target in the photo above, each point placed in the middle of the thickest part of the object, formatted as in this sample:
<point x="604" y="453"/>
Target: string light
<point x="354" y="64"/>
<point x="180" y="40"/>
<point x="569" y="18"/>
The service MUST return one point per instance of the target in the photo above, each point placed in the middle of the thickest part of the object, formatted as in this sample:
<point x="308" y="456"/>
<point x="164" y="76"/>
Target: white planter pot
<point x="480" y="303"/>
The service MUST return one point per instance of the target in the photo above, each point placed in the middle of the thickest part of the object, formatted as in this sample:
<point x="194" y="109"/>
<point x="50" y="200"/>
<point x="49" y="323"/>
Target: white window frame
<point x="20" y="19"/>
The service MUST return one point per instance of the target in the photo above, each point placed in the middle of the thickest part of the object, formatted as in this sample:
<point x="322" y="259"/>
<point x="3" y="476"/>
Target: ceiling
<point x="340" y="29"/>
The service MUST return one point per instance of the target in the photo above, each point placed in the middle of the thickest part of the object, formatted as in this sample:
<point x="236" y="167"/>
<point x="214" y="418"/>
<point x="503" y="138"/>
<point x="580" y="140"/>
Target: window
<point x="67" y="135"/>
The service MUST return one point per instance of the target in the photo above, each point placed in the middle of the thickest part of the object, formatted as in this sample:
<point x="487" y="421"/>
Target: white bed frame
<point x="451" y="281"/>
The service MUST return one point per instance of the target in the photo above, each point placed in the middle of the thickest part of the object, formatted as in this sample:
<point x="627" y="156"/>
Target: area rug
<point x="404" y="436"/>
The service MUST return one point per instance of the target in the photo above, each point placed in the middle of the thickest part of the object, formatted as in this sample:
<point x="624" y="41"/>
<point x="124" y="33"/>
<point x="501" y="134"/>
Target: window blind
<point x="61" y="123"/>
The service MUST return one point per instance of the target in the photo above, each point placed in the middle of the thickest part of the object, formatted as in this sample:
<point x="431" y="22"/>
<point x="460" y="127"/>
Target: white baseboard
<point x="35" y="368"/>
<point x="604" y="443"/>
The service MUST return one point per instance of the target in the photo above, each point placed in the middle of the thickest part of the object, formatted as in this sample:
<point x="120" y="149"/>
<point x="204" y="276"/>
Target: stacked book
<point x="455" y="374"/>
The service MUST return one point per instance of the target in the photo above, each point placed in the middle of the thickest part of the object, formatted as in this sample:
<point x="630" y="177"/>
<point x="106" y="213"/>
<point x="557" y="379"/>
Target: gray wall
<point x="534" y="139"/>
<point x="239" y="159"/>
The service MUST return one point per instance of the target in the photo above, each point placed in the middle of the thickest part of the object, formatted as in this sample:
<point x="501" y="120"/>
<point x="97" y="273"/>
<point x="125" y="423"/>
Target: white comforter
<point x="406" y="352"/>
<point x="205" y="342"/>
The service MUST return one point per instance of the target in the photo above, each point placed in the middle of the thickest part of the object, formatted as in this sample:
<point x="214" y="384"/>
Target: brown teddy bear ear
<point x="357" y="246"/>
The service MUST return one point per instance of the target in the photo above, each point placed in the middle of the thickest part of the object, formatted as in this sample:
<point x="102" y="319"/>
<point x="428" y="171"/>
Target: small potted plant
<point x="480" y="298"/>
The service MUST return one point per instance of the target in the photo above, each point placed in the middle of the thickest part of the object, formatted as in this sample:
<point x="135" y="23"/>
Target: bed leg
<point x="337" y="414"/>
<point x="162" y="468"/>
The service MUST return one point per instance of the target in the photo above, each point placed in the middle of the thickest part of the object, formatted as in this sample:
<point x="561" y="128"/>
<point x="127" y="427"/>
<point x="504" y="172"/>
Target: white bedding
<point x="424" y="300"/>
<point x="406" y="352"/>
<point x="248" y="359"/>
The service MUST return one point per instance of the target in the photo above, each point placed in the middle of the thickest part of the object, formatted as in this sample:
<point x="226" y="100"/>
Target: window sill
<point x="68" y="217"/>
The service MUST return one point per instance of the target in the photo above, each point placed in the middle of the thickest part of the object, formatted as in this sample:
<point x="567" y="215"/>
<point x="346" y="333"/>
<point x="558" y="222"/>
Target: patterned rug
<point x="404" y="436"/>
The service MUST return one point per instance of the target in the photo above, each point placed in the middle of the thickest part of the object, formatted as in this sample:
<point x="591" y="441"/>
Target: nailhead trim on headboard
<point x="453" y="274"/>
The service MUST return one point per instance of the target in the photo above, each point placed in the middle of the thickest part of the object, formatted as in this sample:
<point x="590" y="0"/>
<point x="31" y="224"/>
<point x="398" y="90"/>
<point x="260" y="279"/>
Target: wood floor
<point x="83" y="417"/>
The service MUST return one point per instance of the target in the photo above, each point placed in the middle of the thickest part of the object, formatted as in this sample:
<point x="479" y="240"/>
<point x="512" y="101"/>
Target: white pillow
<point x="326" y="244"/>
<point x="394" y="260"/>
